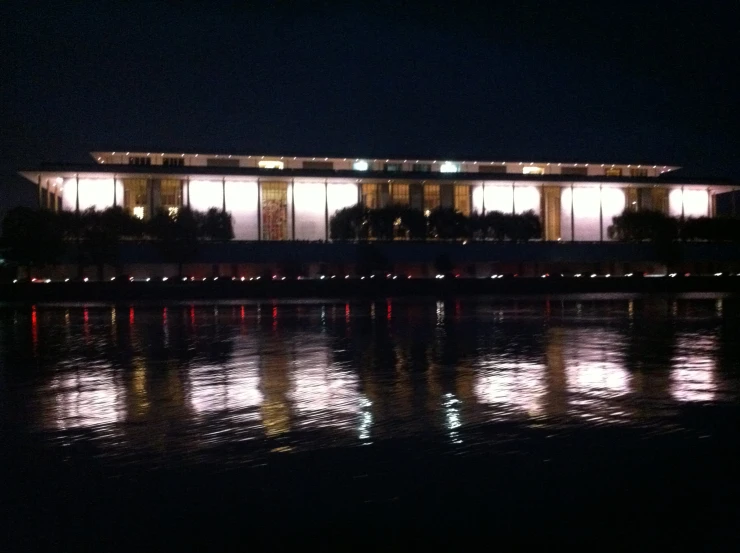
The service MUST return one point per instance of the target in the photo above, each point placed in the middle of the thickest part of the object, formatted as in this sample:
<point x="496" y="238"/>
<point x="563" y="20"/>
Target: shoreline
<point x="226" y="289"/>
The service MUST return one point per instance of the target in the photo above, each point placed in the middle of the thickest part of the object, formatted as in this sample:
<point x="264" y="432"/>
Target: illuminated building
<point x="293" y="198"/>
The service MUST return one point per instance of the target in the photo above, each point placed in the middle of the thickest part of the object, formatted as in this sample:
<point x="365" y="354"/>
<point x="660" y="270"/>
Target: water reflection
<point x="303" y="375"/>
<point x="83" y="399"/>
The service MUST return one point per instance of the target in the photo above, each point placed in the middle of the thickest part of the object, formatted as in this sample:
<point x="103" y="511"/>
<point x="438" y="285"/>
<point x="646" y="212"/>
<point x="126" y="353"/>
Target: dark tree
<point x="217" y="225"/>
<point x="349" y="223"/>
<point x="522" y="227"/>
<point x="33" y="237"/>
<point x="446" y="223"/>
<point x="637" y="226"/>
<point x="382" y="222"/>
<point x="176" y="236"/>
<point x="411" y="223"/>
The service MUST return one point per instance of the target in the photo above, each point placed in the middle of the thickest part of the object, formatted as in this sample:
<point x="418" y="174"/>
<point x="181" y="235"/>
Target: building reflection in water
<point x="289" y="373"/>
<point x="694" y="364"/>
<point x="511" y="388"/>
<point x="323" y="394"/>
<point x="83" y="398"/>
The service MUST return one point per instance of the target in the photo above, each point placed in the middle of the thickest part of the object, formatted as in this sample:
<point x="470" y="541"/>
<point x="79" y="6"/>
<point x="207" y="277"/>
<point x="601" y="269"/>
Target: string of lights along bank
<point x="294" y="198"/>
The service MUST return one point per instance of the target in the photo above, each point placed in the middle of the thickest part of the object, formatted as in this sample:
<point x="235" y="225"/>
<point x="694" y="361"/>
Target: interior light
<point x="85" y="279"/>
<point x="360" y="166"/>
<point x="271" y="165"/>
<point x="449" y="167"/>
<point x="164" y="279"/>
<point x="148" y="279"/>
<point x="531" y="170"/>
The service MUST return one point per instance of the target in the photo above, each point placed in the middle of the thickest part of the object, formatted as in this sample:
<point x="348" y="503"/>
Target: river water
<point x="167" y="389"/>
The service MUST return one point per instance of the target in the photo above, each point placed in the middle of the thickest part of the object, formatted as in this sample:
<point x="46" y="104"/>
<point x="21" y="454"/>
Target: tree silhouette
<point x="33" y="237"/>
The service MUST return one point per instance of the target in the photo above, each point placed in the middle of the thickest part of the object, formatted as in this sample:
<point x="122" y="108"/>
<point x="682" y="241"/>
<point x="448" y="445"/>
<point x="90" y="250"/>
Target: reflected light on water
<point x="324" y="394"/>
<point x="167" y="382"/>
<point x="692" y="378"/>
<point x="83" y="400"/>
<point x="511" y="387"/>
<point x="218" y="389"/>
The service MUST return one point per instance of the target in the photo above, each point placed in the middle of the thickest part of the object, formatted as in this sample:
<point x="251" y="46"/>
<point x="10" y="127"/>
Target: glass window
<point x="531" y="170"/>
<point x="449" y="167"/>
<point x="318" y="165"/>
<point x="400" y="194"/>
<point x="170" y="193"/>
<point x="492" y="168"/>
<point x="581" y="171"/>
<point x="360" y="165"/>
<point x="638" y="172"/>
<point x="462" y="198"/>
<point x="136" y="197"/>
<point x="393" y="166"/>
<point x="370" y="195"/>
<point x="614" y="172"/>
<point x="270" y="164"/>
<point x="431" y="197"/>
<point x="139" y="160"/>
<point x="274" y="211"/>
<point x="423" y="167"/>
<point x="173" y="161"/>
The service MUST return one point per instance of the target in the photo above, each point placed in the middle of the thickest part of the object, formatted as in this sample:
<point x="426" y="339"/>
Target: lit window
<point x="638" y="172"/>
<point x="614" y="172"/>
<point x="531" y="170"/>
<point x="370" y="195"/>
<point x="271" y="165"/>
<point x="431" y="197"/>
<point x="360" y="166"/>
<point x="462" y="199"/>
<point x="400" y="194"/>
<point x="172" y="212"/>
<point x="449" y="167"/>
<point x="139" y="212"/>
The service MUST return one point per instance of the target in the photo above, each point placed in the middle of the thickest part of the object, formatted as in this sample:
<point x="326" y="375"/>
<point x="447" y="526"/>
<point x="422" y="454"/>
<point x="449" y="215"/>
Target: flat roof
<point x="98" y="155"/>
<point x="106" y="171"/>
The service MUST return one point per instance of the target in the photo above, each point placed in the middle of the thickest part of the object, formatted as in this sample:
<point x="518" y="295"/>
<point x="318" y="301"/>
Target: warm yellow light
<point x="531" y="170"/>
<point x="271" y="164"/>
<point x="172" y="212"/>
<point x="139" y="212"/>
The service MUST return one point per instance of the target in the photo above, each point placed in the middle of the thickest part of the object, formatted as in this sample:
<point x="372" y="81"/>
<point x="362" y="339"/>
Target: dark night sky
<point x="521" y="80"/>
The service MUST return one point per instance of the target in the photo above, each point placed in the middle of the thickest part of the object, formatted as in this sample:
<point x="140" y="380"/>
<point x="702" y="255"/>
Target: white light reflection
<point x="512" y="387"/>
<point x="595" y="373"/>
<point x="83" y="400"/>
<point x="692" y="377"/>
<point x="452" y="417"/>
<point x="366" y="420"/>
<point x="235" y="388"/>
<point x="324" y="394"/>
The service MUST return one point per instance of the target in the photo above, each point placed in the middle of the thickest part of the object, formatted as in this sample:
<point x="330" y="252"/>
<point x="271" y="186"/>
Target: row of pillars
<point x="53" y="199"/>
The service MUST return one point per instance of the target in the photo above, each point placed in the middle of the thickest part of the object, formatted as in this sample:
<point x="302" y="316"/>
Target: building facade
<point x="293" y="198"/>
